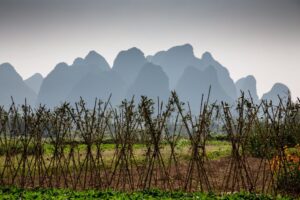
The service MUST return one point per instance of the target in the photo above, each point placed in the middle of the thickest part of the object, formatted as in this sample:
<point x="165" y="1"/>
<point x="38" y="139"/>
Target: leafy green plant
<point x="59" y="194"/>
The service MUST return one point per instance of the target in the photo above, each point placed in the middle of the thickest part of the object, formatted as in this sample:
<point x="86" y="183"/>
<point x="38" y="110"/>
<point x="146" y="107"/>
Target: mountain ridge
<point x="12" y="87"/>
<point x="132" y="72"/>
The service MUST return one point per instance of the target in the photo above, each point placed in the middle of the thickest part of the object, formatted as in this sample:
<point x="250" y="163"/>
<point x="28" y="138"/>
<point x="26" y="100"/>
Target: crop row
<point x="67" y="147"/>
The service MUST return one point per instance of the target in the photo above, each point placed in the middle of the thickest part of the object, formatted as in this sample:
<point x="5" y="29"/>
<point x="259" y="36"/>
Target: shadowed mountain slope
<point x="176" y="59"/>
<point x="98" y="84"/>
<point x="128" y="64"/>
<point x="35" y="82"/>
<point x="57" y="86"/>
<point x="194" y="83"/>
<point x="12" y="85"/>
<point x="246" y="85"/>
<point x="278" y="90"/>
<point x="151" y="82"/>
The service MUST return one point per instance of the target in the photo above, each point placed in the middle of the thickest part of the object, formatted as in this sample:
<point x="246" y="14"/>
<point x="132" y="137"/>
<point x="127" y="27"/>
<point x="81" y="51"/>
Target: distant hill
<point x="222" y="72"/>
<point x="151" y="82"/>
<point x="278" y="90"/>
<point x="194" y="83"/>
<point x="246" y="85"/>
<point x="98" y="84"/>
<point x="35" y="82"/>
<point x="133" y="74"/>
<point x="59" y="83"/>
<point x="12" y="85"/>
<point x="176" y="59"/>
<point x="95" y="60"/>
<point x="128" y="64"/>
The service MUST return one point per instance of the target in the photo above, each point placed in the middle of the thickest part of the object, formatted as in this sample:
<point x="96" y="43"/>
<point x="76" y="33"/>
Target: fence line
<point x="135" y="147"/>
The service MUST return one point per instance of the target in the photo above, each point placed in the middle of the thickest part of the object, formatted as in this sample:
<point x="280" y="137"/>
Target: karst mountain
<point x="133" y="74"/>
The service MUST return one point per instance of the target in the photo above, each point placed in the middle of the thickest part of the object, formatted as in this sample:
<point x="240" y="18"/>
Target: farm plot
<point x="145" y="146"/>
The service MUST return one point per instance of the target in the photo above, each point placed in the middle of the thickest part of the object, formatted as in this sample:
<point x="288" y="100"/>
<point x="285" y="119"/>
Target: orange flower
<point x="293" y="159"/>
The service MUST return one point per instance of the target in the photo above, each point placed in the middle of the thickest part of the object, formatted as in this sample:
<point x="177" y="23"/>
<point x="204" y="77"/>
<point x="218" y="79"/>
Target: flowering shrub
<point x="286" y="169"/>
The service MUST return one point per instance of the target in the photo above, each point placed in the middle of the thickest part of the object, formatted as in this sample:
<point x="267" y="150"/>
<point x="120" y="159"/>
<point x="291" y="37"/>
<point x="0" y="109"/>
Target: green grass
<point x="49" y="148"/>
<point x="59" y="194"/>
<point x="218" y="149"/>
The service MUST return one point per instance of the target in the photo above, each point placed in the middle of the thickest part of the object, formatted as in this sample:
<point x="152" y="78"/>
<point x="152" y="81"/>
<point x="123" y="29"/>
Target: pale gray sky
<point x="258" y="37"/>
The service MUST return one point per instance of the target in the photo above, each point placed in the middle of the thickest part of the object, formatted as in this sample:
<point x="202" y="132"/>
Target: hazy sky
<point x="258" y="37"/>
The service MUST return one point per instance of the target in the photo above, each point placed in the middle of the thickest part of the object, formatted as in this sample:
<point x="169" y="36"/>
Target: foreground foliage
<point x="288" y="170"/>
<point x="16" y="193"/>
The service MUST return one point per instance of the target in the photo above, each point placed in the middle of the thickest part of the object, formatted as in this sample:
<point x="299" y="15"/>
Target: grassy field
<point x="214" y="150"/>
